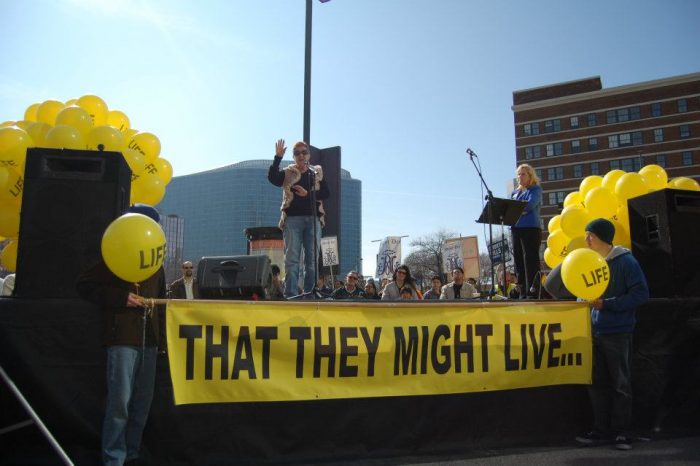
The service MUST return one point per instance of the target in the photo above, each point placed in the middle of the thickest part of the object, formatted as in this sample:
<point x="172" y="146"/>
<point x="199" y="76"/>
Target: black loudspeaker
<point x="665" y="228"/>
<point x="70" y="197"/>
<point x="235" y="277"/>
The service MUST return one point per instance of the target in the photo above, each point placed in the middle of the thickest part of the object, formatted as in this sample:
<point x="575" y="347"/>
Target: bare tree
<point x="426" y="259"/>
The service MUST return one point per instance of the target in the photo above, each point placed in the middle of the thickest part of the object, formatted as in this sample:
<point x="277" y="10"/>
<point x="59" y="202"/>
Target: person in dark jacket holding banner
<point x="131" y="335"/>
<point x="613" y="319"/>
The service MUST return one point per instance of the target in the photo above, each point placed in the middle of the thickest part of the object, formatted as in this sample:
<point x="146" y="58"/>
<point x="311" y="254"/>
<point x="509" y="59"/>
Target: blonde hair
<point x="530" y="171"/>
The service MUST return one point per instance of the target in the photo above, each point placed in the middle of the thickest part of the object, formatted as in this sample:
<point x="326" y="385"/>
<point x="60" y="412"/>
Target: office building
<point x="571" y="130"/>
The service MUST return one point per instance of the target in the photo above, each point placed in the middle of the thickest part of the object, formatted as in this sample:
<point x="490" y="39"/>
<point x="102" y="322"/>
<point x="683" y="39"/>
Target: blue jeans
<point x="299" y="231"/>
<point x="611" y="391"/>
<point x="129" y="393"/>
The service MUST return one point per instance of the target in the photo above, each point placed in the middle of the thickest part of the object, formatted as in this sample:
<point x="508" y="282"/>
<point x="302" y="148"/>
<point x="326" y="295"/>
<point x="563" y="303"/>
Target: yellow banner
<point x="223" y="351"/>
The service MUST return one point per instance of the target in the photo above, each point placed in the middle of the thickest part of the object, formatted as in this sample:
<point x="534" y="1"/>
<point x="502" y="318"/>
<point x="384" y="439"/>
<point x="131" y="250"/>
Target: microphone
<point x="471" y="153"/>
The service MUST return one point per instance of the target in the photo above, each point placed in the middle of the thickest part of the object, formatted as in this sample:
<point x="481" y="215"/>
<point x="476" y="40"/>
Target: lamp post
<point x="307" y="72"/>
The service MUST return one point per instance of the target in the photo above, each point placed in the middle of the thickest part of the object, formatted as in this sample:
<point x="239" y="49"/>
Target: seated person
<point x="458" y="288"/>
<point x="434" y="291"/>
<point x="350" y="290"/>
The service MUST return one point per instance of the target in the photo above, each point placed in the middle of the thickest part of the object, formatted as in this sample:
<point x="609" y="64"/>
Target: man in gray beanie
<point x="613" y="318"/>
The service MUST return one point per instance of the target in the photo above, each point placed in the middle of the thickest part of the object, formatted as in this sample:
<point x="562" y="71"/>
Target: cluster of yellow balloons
<point x="85" y="123"/>
<point x="133" y="247"/>
<point x="604" y="197"/>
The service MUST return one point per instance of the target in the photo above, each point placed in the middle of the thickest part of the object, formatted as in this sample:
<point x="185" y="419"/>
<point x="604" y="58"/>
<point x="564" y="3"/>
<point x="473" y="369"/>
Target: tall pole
<point x="307" y="76"/>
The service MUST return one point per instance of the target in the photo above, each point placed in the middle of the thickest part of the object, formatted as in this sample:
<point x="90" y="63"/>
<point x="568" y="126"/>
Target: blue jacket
<point x="530" y="218"/>
<point x="627" y="290"/>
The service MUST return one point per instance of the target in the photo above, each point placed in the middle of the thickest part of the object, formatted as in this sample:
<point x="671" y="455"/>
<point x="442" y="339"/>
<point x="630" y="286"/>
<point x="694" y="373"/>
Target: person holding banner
<point x="527" y="232"/>
<point x="301" y="221"/>
<point x="131" y="335"/>
<point x="401" y="278"/>
<point x="613" y="318"/>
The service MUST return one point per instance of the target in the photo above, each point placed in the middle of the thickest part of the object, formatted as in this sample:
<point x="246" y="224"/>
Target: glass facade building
<point x="218" y="205"/>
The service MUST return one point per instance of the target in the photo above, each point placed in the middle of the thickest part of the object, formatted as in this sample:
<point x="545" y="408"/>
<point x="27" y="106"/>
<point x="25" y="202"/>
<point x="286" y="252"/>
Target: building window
<point x="687" y="158"/>
<point x="656" y="109"/>
<point x="578" y="171"/>
<point x="556" y="173"/>
<point x="634" y="113"/>
<point x="532" y="152"/>
<point x="682" y="105"/>
<point x="592" y="119"/>
<point x="551" y="126"/>
<point x="531" y="129"/>
<point x="574" y="121"/>
<point x="554" y="149"/>
<point x="658" y="135"/>
<point x="611" y="116"/>
<point x="685" y="131"/>
<point x="637" y="138"/>
<point x="575" y="146"/>
<point x="661" y="160"/>
<point x="625" y="139"/>
<point x="536" y="152"/>
<point x="593" y="144"/>
<point x="614" y="165"/>
<point x="613" y="141"/>
<point x="538" y="172"/>
<point x="556" y="197"/>
<point x="595" y="168"/>
<point x="552" y="198"/>
<point x="627" y="165"/>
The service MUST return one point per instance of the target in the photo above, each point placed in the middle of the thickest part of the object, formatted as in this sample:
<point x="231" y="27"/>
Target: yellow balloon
<point x="149" y="188"/>
<point x="623" y="216"/>
<point x="551" y="259"/>
<point x="622" y="236"/>
<point x="23" y="124"/>
<point x="134" y="159"/>
<point x="48" y="110"/>
<point x="146" y="143"/>
<point x="165" y="170"/>
<point x="655" y="176"/>
<point x="109" y="138"/>
<point x="574" y="221"/>
<point x="576" y="243"/>
<point x="64" y="137"/>
<point x="96" y="107"/>
<point x="573" y="199"/>
<point x="557" y="242"/>
<point x="589" y="183"/>
<point x="70" y="102"/>
<point x="554" y="224"/>
<point x="9" y="223"/>
<point x="7" y="124"/>
<point x="38" y="131"/>
<point x="14" y="142"/>
<point x="683" y="182"/>
<point x="77" y="117"/>
<point x="585" y="274"/>
<point x="611" y="178"/>
<point x="11" y="188"/>
<point x="30" y="112"/>
<point x="8" y="256"/>
<point x="133" y="247"/>
<point x="601" y="203"/>
<point x="630" y="185"/>
<point x="118" y="119"/>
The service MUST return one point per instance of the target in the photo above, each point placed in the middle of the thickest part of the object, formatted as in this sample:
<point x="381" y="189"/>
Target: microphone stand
<point x="489" y="200"/>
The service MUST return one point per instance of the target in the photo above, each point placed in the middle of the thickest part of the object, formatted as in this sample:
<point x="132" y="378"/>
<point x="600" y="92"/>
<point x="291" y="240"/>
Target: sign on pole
<point x="389" y="256"/>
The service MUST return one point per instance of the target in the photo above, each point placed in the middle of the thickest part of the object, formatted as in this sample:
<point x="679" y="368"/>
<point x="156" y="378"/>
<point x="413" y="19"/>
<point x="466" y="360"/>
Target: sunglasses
<point x="354" y="278"/>
<point x="187" y="267"/>
<point x="301" y="152"/>
<point x="401" y="271"/>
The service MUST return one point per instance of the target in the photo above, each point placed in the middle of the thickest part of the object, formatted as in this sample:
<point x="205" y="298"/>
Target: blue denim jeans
<point x="130" y="383"/>
<point x="299" y="232"/>
<point x="611" y="391"/>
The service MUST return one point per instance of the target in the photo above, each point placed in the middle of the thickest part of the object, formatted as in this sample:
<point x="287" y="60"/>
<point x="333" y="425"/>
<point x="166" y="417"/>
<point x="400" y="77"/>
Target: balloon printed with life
<point x="84" y="123"/>
<point x="600" y="197"/>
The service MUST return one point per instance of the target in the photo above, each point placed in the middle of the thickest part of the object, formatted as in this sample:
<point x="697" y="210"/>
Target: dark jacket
<point x="343" y="293"/>
<point x="177" y="289"/>
<point x="626" y="291"/>
<point x="122" y="325"/>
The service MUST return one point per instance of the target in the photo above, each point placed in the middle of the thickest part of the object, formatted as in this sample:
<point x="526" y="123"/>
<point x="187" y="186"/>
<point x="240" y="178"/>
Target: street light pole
<point x="307" y="76"/>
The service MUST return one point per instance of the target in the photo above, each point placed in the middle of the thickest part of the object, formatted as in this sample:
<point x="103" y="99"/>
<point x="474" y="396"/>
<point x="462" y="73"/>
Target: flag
<point x="389" y="257"/>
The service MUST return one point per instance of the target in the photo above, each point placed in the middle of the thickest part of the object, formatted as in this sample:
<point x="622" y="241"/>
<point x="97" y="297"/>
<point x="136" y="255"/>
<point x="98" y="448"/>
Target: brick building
<point x="571" y="130"/>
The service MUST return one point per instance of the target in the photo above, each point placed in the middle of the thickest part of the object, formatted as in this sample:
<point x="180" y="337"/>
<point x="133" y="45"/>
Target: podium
<point x="498" y="211"/>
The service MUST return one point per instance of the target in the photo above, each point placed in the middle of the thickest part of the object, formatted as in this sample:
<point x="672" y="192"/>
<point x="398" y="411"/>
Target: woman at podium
<point x="527" y="232"/>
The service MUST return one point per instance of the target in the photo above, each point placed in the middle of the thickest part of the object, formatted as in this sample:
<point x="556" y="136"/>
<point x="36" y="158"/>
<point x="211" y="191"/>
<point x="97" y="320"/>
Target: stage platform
<point x="52" y="350"/>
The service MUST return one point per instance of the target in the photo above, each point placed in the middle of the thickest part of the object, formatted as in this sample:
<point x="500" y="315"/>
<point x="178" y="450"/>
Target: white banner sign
<point x="329" y="251"/>
<point x="389" y="256"/>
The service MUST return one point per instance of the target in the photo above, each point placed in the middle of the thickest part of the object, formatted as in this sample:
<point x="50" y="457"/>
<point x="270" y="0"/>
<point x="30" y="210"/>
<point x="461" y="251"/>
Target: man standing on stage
<point x="301" y="220"/>
<point x="613" y="318"/>
<point x="131" y="334"/>
<point x="186" y="286"/>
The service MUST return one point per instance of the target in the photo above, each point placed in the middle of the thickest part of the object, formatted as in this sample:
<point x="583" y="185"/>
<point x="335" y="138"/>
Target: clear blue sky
<point x="403" y="86"/>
